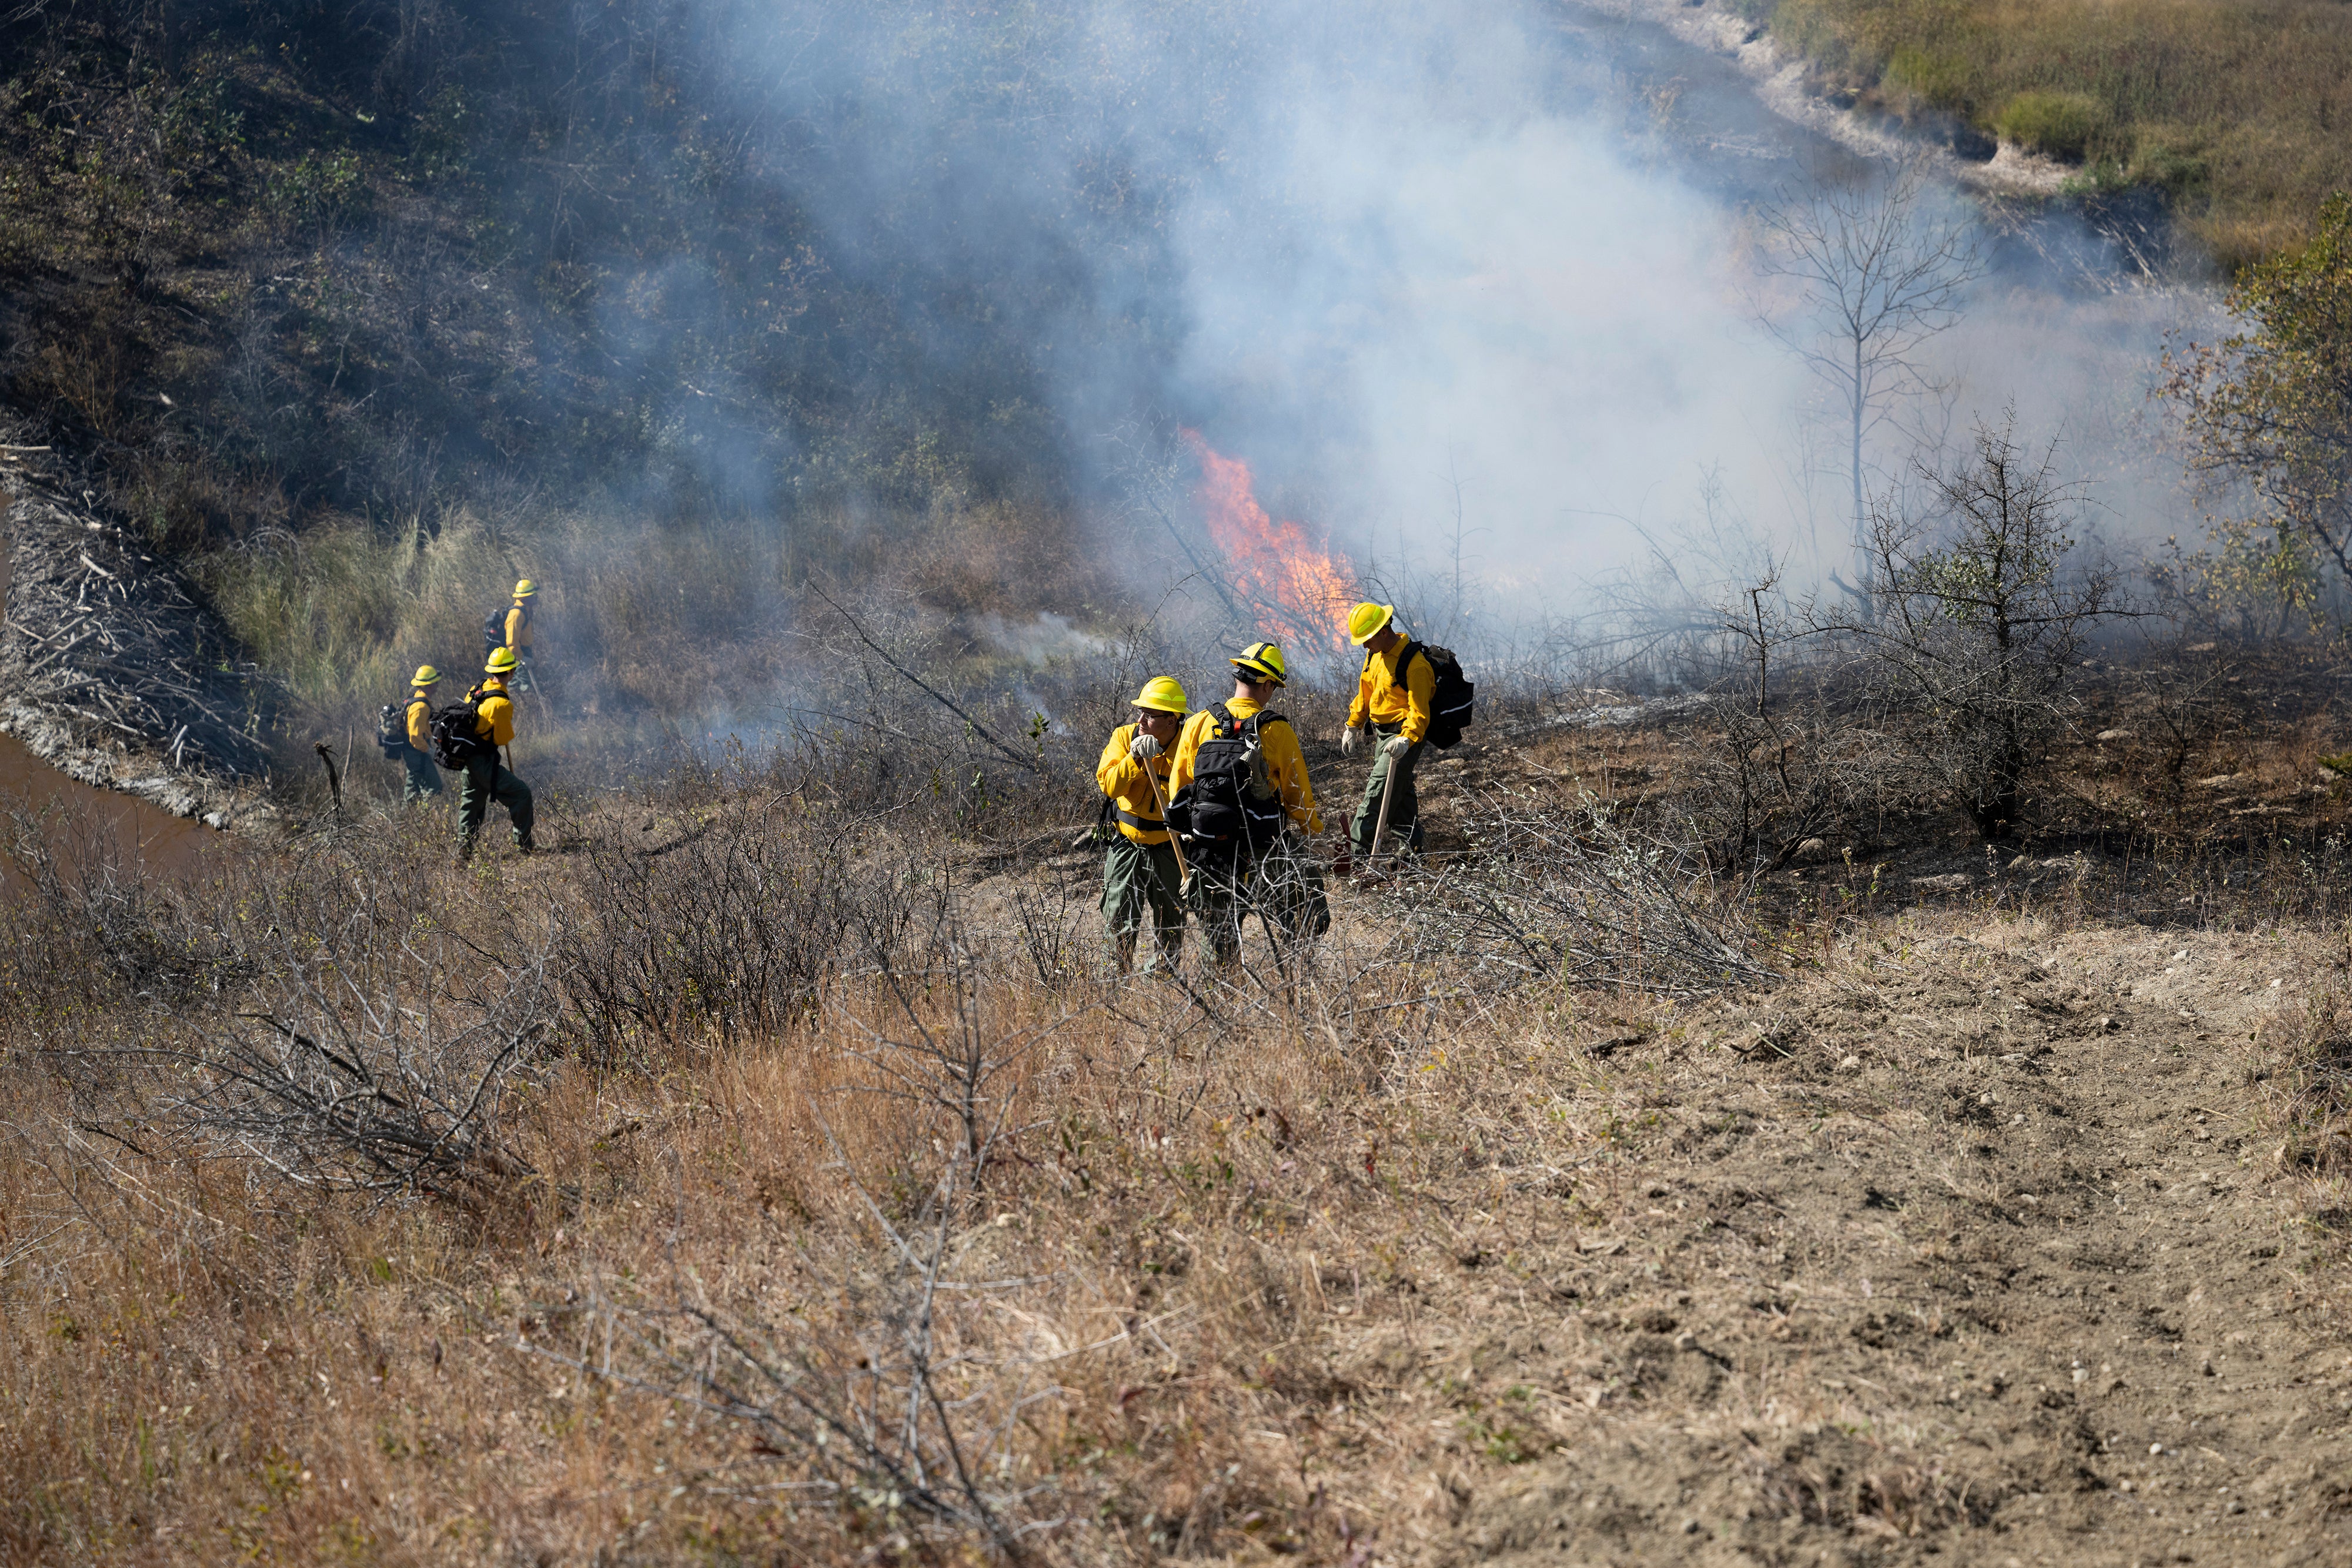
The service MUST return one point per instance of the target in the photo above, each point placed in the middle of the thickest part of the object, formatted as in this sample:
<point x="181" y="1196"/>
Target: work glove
<point x="1397" y="746"/>
<point x="1143" y="746"/>
<point x="1351" y="738"/>
<point x="1343" y="853"/>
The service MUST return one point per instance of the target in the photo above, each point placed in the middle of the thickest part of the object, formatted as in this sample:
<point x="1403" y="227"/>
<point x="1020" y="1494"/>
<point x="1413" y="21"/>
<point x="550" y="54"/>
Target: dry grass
<point x="1371" y="1265"/>
<point x="2234" y="109"/>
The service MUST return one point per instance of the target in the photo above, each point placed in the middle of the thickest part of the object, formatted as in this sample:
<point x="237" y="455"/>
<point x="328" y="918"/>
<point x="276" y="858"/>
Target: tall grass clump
<point x="2061" y="124"/>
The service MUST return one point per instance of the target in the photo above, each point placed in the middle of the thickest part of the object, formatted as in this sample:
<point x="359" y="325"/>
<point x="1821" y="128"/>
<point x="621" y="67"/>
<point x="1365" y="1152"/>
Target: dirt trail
<point x="1968" y="1255"/>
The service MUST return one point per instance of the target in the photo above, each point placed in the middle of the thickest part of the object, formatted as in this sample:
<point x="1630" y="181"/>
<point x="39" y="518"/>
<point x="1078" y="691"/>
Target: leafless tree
<point x="1779" y="767"/>
<point x="1980" y="608"/>
<point x="1876" y="274"/>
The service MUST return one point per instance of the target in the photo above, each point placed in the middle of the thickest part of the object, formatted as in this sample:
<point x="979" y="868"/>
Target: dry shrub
<point x="2309" y="1090"/>
<point x="729" y="929"/>
<point x="1037" y="1253"/>
<point x="1580" y="898"/>
<point x="2231" y="109"/>
<point x="1851" y="1483"/>
<point x="385" y="1072"/>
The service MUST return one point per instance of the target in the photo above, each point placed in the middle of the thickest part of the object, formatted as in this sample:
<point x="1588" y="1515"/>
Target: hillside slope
<point x="359" y="318"/>
<point x="2234" y="110"/>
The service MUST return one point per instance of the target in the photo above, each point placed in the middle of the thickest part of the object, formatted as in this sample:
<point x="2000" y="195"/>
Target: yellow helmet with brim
<point x="1162" y="694"/>
<point x="1365" y="620"/>
<point x="1262" y="661"/>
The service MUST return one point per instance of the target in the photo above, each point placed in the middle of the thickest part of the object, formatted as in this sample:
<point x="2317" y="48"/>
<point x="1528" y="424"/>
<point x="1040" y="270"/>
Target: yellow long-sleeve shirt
<point x="420" y="721"/>
<point x="1285" y="766"/>
<point x="1384" y="702"/>
<point x="1121" y="778"/>
<point x="495" y="711"/>
<point x="518" y="627"/>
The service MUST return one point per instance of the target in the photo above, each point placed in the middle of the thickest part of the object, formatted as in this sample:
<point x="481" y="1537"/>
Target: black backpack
<point x="457" y="736"/>
<point x="1449" y="707"/>
<point x="494" y="626"/>
<point x="392" y="728"/>
<point x="1230" y="796"/>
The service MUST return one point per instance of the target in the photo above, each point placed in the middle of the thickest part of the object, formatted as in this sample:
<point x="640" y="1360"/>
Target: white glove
<point x="1397" y="746"/>
<point x="1144" y="745"/>
<point x="1348" y="740"/>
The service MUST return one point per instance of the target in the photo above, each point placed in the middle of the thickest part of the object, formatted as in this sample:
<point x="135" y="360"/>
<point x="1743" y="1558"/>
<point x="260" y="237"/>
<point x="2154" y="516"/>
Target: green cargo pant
<point x="1285" y="884"/>
<point x="486" y="782"/>
<point x="1404" y="810"/>
<point x="1138" y="878"/>
<point x="424" y="780"/>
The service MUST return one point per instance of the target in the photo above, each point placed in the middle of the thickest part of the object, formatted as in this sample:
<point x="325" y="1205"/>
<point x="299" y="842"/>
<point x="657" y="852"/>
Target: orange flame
<point x="1300" y="592"/>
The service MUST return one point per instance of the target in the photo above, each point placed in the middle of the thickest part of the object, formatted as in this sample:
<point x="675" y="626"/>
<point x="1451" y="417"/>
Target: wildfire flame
<point x="1300" y="592"/>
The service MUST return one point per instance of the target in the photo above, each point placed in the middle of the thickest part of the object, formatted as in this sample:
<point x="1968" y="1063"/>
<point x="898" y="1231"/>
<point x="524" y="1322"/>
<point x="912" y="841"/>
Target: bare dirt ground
<point x="1974" y="1254"/>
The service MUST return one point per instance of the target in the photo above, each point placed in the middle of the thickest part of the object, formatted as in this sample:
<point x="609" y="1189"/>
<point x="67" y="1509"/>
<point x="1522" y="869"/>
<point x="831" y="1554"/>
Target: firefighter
<point x="1140" y="869"/>
<point x="487" y="776"/>
<point x="1270" y="869"/>
<point x="1395" y="705"/>
<point x="424" y="782"/>
<point x="517" y="633"/>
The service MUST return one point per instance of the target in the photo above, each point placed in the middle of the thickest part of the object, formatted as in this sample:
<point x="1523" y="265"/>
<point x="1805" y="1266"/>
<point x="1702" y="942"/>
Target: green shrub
<point x="319" y="188"/>
<point x="2062" y="124"/>
<point x="2172" y="158"/>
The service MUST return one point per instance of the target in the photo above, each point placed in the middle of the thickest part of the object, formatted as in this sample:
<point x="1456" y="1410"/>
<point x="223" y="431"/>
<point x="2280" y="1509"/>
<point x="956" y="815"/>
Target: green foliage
<point x="2061" y="124"/>
<point x="2173" y="158"/>
<point x="1938" y="78"/>
<point x="2270" y="406"/>
<point x="2254" y="579"/>
<point x="319" y="188"/>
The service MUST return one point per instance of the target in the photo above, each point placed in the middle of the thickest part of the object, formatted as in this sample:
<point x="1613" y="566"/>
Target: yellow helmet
<point x="1262" y="661"/>
<point x="426" y="676"/>
<point x="525" y="589"/>
<point x="1365" y="620"/>
<point x="1162" y="694"/>
<point x="501" y="662"/>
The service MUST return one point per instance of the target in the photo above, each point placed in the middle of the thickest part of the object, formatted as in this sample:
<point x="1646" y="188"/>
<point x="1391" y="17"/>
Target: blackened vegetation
<point x="105" y="649"/>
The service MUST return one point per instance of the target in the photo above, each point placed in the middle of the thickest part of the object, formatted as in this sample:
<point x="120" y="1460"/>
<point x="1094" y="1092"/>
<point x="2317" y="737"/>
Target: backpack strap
<point x="1224" y="716"/>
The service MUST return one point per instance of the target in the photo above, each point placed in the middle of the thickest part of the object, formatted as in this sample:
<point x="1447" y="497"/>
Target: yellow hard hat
<point x="1162" y="694"/>
<point x="502" y="661"/>
<point x="426" y="676"/>
<point x="1365" y="620"/>
<point x="1264" y="661"/>
<point x="525" y="589"/>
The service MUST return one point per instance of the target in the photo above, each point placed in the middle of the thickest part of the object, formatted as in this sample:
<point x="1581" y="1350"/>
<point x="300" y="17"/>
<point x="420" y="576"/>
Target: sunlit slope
<point x="2237" y="110"/>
